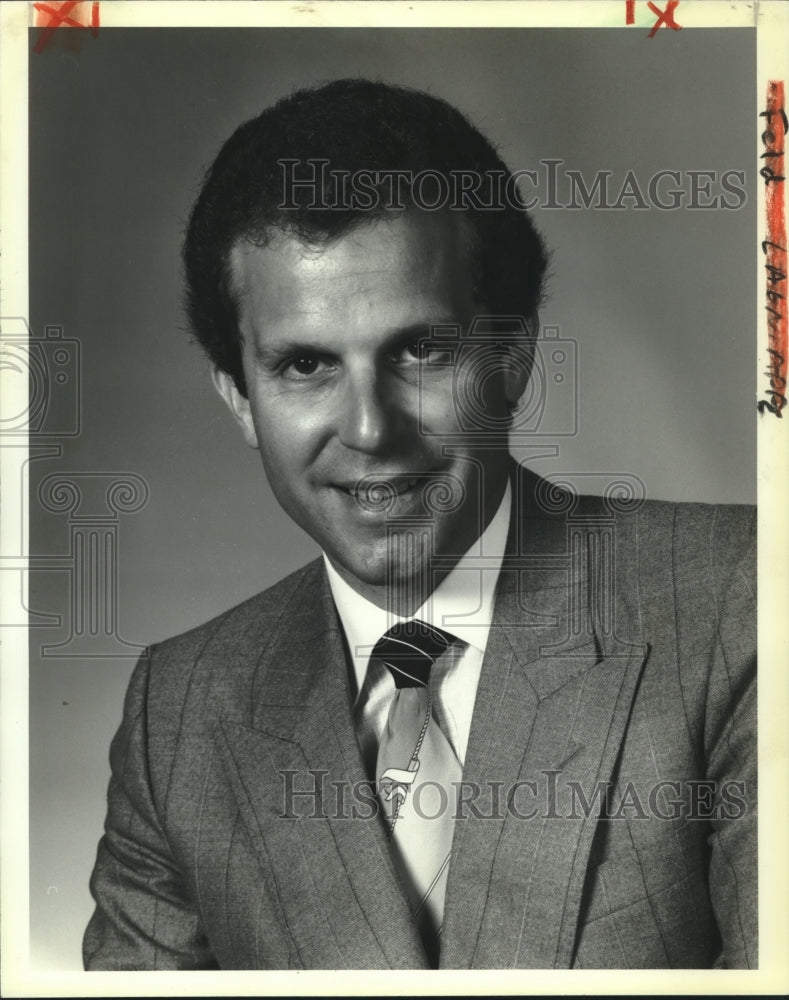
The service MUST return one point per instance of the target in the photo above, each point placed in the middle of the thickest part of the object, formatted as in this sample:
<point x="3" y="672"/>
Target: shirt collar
<point x="462" y="604"/>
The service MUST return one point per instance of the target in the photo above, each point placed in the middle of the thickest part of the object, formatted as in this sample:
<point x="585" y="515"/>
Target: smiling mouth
<point x="371" y="489"/>
<point x="400" y="485"/>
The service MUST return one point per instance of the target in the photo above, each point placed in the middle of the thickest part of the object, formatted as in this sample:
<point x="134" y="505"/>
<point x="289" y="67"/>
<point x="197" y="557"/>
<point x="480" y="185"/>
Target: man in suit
<point x="580" y="677"/>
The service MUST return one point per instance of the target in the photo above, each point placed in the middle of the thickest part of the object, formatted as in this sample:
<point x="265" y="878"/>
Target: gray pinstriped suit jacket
<point x="651" y="679"/>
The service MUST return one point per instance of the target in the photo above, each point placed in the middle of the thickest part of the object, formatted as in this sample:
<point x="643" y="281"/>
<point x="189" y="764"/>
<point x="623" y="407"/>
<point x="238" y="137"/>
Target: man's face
<point x="339" y="392"/>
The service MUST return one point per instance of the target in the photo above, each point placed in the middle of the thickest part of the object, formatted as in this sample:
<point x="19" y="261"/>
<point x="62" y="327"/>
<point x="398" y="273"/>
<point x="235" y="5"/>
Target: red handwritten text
<point x="664" y="17"/>
<point x="69" y="14"/>
<point x="774" y="247"/>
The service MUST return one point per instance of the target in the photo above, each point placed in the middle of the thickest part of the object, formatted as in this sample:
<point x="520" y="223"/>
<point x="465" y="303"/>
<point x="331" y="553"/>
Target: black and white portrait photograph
<point x="393" y="447"/>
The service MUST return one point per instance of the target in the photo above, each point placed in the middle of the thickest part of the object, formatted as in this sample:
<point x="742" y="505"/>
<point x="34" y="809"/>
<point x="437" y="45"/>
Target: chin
<point x="374" y="568"/>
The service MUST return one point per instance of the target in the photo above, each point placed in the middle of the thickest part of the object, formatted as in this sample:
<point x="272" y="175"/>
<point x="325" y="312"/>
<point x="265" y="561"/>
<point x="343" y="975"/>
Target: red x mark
<point x="664" y="16"/>
<point x="60" y="16"/>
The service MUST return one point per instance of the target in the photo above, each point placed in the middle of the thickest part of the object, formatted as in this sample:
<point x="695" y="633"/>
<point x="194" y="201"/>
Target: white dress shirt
<point x="462" y="604"/>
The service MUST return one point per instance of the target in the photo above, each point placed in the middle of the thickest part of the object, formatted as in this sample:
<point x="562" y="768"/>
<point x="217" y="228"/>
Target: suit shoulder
<point x="208" y="671"/>
<point x="659" y="530"/>
<point x="700" y="545"/>
<point x="682" y="514"/>
<point x="726" y="529"/>
<point x="556" y="497"/>
<point x="260" y="611"/>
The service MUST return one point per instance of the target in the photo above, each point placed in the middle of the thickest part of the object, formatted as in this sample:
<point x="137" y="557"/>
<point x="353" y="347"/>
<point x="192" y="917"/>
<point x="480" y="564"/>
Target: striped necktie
<point x="417" y="773"/>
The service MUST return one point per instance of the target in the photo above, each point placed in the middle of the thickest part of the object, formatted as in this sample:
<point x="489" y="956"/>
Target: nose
<point x="368" y="418"/>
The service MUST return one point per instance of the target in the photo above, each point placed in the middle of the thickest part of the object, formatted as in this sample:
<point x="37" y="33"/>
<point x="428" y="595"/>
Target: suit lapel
<point x="323" y="851"/>
<point x="551" y="710"/>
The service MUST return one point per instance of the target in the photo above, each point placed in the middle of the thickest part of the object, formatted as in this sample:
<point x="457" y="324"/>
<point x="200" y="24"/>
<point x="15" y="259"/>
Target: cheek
<point x="479" y="393"/>
<point x="433" y="404"/>
<point x="471" y="399"/>
<point x="290" y="435"/>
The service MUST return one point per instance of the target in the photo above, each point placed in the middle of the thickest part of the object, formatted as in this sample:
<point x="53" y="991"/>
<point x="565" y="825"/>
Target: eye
<point x="424" y="351"/>
<point x="303" y="365"/>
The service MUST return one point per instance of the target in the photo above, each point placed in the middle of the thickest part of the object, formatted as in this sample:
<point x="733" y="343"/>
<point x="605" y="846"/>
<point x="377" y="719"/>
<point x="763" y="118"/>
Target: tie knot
<point x="409" y="649"/>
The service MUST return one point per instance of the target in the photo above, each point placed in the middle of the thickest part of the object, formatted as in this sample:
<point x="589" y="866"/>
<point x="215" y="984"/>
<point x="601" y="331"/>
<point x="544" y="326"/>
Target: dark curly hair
<point x="352" y="126"/>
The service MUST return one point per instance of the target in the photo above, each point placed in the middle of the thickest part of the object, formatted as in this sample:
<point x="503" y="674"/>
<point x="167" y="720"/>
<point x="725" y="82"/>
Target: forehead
<point x="391" y="272"/>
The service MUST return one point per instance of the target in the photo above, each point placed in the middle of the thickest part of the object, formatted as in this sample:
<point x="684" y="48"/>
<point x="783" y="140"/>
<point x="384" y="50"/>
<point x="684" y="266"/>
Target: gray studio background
<point x="661" y="303"/>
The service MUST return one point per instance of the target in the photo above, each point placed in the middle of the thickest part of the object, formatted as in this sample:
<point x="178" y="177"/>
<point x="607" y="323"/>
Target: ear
<point x="238" y="404"/>
<point x="518" y="369"/>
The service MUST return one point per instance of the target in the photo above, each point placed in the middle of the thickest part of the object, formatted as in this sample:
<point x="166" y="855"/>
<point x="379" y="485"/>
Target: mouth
<point x="369" y="488"/>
